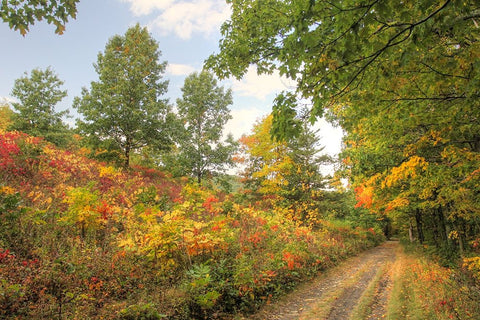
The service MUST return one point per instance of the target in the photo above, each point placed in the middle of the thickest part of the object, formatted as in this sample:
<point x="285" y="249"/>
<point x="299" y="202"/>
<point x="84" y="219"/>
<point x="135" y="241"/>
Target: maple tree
<point x="267" y="161"/>
<point x="20" y="15"/>
<point x="337" y="52"/>
<point x="420" y="168"/>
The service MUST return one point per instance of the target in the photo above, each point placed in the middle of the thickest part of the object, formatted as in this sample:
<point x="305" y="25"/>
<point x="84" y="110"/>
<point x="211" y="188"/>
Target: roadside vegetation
<point x="131" y="215"/>
<point x="423" y="289"/>
<point x="81" y="238"/>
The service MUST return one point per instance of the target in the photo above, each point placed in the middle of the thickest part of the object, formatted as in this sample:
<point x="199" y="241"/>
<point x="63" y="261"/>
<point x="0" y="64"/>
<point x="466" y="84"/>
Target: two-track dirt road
<point x="337" y="293"/>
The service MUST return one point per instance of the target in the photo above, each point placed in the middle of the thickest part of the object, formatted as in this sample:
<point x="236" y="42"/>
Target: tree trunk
<point x="461" y="229"/>
<point x="445" y="228"/>
<point x="126" y="164"/>
<point x="435" y="231"/>
<point x="199" y="178"/>
<point x="418" y="219"/>
<point x="410" y="232"/>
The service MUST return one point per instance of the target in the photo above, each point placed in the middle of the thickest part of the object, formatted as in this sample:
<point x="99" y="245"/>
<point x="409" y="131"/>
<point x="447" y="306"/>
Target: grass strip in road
<point x="365" y="306"/>
<point x="324" y="307"/>
<point x="402" y="303"/>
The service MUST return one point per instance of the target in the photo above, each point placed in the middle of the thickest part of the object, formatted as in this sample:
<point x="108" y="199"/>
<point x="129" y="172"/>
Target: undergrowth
<point x="423" y="289"/>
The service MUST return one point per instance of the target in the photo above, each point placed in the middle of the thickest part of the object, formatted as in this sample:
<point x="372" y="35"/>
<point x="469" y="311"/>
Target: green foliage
<point x="337" y="51"/>
<point x="400" y="78"/>
<point x="10" y="214"/>
<point x="38" y="94"/>
<point x="285" y="125"/>
<point x="305" y="179"/>
<point x="141" y="311"/>
<point x="20" y="15"/>
<point x="123" y="111"/>
<point x="203" y="109"/>
<point x="199" y="285"/>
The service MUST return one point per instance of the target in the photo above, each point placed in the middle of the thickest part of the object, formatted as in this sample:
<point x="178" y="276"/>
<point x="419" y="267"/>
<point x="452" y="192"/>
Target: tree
<point x="401" y="78"/>
<point x="289" y="170"/>
<point x="268" y="162"/>
<point x="417" y="162"/>
<point x="38" y="94"/>
<point x="204" y="111"/>
<point x="6" y="115"/>
<point x="123" y="111"/>
<point x="338" y="51"/>
<point x="21" y="14"/>
<point x="306" y="153"/>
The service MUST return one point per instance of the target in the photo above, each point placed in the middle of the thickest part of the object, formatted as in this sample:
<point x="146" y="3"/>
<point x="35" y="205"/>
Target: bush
<point x="141" y="311"/>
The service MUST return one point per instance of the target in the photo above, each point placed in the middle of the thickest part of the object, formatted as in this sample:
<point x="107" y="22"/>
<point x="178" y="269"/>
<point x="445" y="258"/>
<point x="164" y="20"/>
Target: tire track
<point x="334" y="295"/>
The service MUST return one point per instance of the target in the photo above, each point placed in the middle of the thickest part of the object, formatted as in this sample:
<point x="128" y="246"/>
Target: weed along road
<point x="356" y="289"/>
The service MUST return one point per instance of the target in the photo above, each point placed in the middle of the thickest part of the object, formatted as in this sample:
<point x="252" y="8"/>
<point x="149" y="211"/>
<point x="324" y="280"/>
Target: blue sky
<point x="187" y="32"/>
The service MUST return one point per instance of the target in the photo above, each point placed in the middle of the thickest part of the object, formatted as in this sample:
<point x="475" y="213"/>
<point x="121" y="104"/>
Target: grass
<point x="424" y="290"/>
<point x="322" y="309"/>
<point x="418" y="288"/>
<point x="402" y="303"/>
<point x="368" y="298"/>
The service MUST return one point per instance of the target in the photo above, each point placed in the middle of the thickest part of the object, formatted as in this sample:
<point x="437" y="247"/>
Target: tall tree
<point x="400" y="77"/>
<point x="204" y="111"/>
<point x="307" y="156"/>
<point x="123" y="111"/>
<point x="289" y="170"/>
<point x="20" y="15"/>
<point x="267" y="161"/>
<point x="38" y="94"/>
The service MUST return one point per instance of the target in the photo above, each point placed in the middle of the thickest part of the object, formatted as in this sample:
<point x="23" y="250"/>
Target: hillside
<point x="81" y="238"/>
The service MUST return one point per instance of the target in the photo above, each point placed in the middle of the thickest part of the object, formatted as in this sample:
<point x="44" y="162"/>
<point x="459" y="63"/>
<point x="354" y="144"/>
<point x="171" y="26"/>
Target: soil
<point x="335" y="294"/>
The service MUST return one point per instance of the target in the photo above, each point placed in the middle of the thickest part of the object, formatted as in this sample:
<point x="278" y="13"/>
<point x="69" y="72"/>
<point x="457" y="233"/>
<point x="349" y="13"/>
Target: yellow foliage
<point x="107" y="171"/>
<point x="407" y="170"/>
<point x="81" y="209"/>
<point x="272" y="162"/>
<point x="7" y="190"/>
<point x="473" y="265"/>
<point x="5" y="117"/>
<point x="397" y="203"/>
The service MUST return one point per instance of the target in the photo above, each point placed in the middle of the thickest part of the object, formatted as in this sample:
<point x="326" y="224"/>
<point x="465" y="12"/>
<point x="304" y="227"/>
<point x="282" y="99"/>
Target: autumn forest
<point x="145" y="209"/>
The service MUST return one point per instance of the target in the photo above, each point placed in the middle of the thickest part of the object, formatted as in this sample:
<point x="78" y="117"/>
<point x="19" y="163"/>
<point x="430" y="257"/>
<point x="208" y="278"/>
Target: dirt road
<point x="356" y="289"/>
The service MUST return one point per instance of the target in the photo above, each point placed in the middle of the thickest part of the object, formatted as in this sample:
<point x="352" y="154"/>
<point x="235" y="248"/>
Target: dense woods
<point x="401" y="79"/>
<point x="134" y="214"/>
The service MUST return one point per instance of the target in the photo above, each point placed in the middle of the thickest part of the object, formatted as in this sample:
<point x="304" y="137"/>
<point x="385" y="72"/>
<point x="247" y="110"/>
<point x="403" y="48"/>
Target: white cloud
<point x="242" y="121"/>
<point x="330" y="137"/>
<point x="7" y="100"/>
<point x="260" y="86"/>
<point x="183" y="18"/>
<point x="176" y="69"/>
<point x="146" y="7"/>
